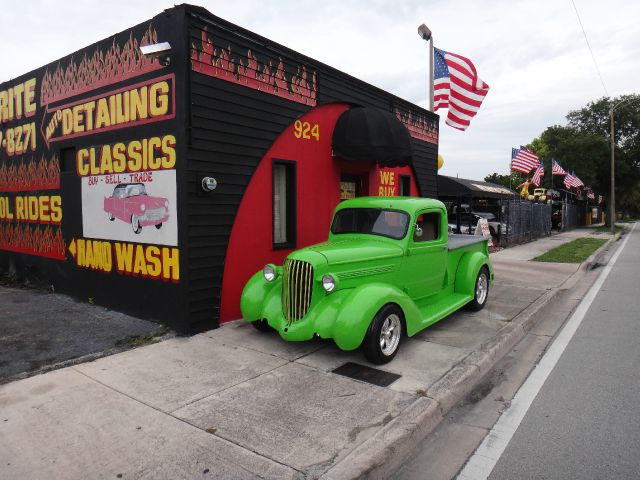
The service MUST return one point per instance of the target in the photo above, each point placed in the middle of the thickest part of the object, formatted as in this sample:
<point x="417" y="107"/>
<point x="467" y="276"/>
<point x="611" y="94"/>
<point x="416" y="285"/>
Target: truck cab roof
<point x="410" y="205"/>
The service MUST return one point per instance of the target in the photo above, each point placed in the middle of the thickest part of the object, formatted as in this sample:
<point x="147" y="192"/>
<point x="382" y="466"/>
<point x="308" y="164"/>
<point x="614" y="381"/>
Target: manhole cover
<point x="367" y="374"/>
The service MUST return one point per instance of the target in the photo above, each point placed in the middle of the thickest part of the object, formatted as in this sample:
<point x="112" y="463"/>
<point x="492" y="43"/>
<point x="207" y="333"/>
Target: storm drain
<point x="367" y="374"/>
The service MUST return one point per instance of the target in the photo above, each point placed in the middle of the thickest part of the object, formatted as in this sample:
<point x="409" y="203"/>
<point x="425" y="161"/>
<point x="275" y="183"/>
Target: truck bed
<point x="461" y="240"/>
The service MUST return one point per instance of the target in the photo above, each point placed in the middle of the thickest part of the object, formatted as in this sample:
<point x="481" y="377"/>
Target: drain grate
<point x="367" y="374"/>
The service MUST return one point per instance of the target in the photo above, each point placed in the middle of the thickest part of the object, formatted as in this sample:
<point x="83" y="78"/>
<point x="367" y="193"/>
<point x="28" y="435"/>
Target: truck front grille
<point x="297" y="285"/>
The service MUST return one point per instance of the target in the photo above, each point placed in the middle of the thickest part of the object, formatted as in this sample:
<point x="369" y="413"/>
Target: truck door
<point x="426" y="261"/>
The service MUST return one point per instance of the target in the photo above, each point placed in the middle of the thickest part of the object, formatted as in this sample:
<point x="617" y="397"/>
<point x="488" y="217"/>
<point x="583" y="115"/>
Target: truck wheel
<point x="382" y="341"/>
<point x="481" y="291"/>
<point x="135" y="224"/>
<point x="262" y="325"/>
<point x="111" y="217"/>
<point x="158" y="226"/>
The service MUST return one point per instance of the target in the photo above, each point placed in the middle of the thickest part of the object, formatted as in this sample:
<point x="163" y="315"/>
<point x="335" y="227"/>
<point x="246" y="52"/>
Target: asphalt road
<point x="585" y="421"/>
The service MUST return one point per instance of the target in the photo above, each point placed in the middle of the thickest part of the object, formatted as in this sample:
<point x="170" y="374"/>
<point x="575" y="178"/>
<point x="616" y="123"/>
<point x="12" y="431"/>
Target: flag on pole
<point x="577" y="181"/>
<point x="457" y="87"/>
<point x="537" y="177"/>
<point x="590" y="194"/>
<point x="556" y="169"/>
<point x="571" y="181"/>
<point x="523" y="160"/>
<point x="599" y="199"/>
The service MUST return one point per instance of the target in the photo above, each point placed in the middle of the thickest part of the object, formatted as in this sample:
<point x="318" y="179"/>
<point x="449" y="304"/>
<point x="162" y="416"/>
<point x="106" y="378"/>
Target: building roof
<point x="463" y="187"/>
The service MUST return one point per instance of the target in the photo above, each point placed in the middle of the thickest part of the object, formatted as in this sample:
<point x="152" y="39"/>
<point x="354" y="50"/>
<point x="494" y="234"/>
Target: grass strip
<point x="605" y="229"/>
<point x="573" y="252"/>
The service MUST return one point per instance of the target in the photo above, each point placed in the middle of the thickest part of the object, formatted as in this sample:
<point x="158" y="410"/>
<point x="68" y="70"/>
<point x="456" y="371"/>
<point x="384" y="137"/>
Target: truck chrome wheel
<point x="481" y="291"/>
<point x="482" y="288"/>
<point x="390" y="334"/>
<point x="382" y="340"/>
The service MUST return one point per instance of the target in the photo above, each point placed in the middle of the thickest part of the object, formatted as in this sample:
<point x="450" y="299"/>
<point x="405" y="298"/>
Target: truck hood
<point x="352" y="250"/>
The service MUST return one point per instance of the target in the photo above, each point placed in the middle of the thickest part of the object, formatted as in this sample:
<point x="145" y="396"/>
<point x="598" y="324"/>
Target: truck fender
<point x="254" y="295"/>
<point x="467" y="271"/>
<point x="360" y="307"/>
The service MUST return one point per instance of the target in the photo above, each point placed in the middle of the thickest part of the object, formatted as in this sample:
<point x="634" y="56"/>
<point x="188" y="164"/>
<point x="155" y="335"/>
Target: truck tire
<point x="481" y="291"/>
<point x="262" y="325"/>
<point x="382" y="340"/>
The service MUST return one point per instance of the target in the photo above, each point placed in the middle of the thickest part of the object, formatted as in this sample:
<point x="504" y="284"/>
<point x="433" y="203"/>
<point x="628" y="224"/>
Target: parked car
<point x="473" y="217"/>
<point x="130" y="203"/>
<point x="388" y="269"/>
<point x="539" y="195"/>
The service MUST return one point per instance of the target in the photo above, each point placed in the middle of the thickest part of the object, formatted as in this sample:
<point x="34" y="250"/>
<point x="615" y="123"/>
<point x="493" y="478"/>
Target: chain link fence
<point x="523" y="222"/>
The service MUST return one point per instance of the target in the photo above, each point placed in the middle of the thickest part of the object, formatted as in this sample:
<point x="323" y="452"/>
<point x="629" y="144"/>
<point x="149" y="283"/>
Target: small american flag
<point x="537" y="177"/>
<point x="578" y="182"/>
<point x="523" y="160"/>
<point x="571" y="181"/>
<point x="457" y="86"/>
<point x="590" y="194"/>
<point x="556" y="169"/>
<point x="599" y="199"/>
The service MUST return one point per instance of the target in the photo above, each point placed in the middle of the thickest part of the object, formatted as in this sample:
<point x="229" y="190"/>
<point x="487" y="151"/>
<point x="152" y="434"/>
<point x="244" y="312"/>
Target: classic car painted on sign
<point x="388" y="269"/>
<point x="131" y="203"/>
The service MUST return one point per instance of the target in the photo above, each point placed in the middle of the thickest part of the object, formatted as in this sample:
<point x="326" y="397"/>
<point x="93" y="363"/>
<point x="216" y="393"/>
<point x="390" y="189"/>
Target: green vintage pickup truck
<point x="389" y="269"/>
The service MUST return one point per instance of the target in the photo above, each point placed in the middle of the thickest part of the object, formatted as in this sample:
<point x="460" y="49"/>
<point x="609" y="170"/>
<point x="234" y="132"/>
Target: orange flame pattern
<point x="220" y="63"/>
<point x="33" y="240"/>
<point x="419" y="127"/>
<point x="100" y="69"/>
<point x="40" y="174"/>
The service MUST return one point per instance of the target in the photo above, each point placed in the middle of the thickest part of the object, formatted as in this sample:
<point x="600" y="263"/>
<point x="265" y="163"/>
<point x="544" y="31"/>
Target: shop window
<point x="405" y="186"/>
<point x="429" y="226"/>
<point x="284" y="204"/>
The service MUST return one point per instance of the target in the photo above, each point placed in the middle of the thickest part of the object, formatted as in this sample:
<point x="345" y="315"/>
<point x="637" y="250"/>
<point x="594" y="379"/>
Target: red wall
<point x="318" y="193"/>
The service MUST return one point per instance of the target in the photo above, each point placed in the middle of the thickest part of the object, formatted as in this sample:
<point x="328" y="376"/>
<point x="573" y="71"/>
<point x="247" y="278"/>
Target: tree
<point x="583" y="146"/>
<point x="510" y="181"/>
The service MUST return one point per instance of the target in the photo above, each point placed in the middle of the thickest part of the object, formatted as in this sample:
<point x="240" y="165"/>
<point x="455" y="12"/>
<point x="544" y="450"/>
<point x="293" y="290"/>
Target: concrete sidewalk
<point x="236" y="403"/>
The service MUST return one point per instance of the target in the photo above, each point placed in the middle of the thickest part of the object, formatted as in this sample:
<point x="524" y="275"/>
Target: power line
<point x="588" y="45"/>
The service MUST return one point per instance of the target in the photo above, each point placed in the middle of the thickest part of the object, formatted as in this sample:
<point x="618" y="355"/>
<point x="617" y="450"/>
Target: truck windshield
<point x="373" y="221"/>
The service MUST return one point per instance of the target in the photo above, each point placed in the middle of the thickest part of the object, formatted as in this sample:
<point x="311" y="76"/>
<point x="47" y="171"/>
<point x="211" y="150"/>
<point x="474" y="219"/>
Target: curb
<point x="383" y="454"/>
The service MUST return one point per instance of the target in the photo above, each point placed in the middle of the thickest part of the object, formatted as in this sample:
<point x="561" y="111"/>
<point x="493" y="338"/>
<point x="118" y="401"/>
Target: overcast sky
<point x="532" y="54"/>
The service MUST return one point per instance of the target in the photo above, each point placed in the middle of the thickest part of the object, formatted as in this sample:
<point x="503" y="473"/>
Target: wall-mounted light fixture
<point x="157" y="50"/>
<point x="209" y="184"/>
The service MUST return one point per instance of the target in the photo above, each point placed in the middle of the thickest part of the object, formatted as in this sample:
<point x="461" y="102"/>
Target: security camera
<point x="157" y="50"/>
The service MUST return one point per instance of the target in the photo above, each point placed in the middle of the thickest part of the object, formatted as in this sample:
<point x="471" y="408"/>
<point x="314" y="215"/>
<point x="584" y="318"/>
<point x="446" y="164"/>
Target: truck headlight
<point x="328" y="283"/>
<point x="269" y="272"/>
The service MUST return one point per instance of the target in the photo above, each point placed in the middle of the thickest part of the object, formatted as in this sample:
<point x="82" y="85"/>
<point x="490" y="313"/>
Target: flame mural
<point x="248" y="71"/>
<point x="419" y="127"/>
<point x="100" y="69"/>
<point x="33" y="240"/>
<point x="43" y="174"/>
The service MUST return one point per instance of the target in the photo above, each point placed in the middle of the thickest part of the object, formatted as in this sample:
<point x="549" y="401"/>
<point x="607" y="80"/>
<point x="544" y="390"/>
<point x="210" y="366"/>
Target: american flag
<point x="456" y="86"/>
<point x="537" y="177"/>
<point x="571" y="181"/>
<point x="523" y="160"/>
<point x="590" y="194"/>
<point x="599" y="199"/>
<point x="556" y="169"/>
<point x="577" y="180"/>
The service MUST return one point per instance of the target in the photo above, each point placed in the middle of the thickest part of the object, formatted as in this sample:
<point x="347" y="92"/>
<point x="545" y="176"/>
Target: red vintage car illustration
<point x="130" y="203"/>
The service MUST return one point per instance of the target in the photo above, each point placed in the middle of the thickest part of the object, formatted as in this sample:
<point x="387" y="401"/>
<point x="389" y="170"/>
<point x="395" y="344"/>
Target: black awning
<point x="371" y="134"/>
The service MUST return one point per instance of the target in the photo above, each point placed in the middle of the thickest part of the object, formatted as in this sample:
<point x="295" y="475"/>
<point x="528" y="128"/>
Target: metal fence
<point x="524" y="221"/>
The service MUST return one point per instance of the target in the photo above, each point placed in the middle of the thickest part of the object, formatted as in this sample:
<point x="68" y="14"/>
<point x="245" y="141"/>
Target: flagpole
<point x="425" y="34"/>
